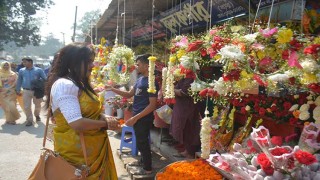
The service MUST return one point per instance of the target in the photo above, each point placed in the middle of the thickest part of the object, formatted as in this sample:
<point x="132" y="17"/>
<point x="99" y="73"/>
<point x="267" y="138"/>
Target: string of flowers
<point x="151" y="78"/>
<point x="164" y="80"/>
<point x="169" y="95"/>
<point x="205" y="135"/>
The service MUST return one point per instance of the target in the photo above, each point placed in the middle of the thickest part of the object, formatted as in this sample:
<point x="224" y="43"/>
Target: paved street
<point x="20" y="149"/>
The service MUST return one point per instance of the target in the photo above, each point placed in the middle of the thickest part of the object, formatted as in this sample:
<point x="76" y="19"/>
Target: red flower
<point x="262" y="111"/>
<point x="263" y="160"/>
<point x="277" y="140"/>
<point x="268" y="170"/>
<point x="194" y="45"/>
<point x="259" y="80"/>
<point x="314" y="87"/>
<point x="279" y="151"/>
<point x="313" y="49"/>
<point x="293" y="121"/>
<point x="243" y="110"/>
<point x="203" y="52"/>
<point x="203" y="93"/>
<point x="305" y="157"/>
<point x="287" y="106"/>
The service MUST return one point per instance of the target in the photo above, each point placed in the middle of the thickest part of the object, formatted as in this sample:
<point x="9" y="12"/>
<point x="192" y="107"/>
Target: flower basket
<point x="275" y="129"/>
<point x="219" y="172"/>
<point x="158" y="122"/>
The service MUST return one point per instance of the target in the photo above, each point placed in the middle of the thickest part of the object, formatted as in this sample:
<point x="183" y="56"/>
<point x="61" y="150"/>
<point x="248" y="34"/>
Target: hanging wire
<point x="270" y="14"/>
<point x="249" y="16"/>
<point x="180" y="26"/>
<point x="210" y="14"/>
<point x="117" y="30"/>
<point x="302" y="12"/>
<point x="255" y="17"/>
<point x="124" y="22"/>
<point x="153" y="7"/>
<point x="131" y="27"/>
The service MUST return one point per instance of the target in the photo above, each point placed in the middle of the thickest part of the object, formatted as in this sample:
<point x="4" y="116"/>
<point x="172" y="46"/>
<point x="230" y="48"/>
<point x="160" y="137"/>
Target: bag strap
<point x="83" y="145"/>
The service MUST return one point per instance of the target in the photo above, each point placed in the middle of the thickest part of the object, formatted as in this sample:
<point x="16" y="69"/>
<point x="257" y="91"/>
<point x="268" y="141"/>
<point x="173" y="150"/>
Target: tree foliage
<point x="17" y="23"/>
<point x="89" y="20"/>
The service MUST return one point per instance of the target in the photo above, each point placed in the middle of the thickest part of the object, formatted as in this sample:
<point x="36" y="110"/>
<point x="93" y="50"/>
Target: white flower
<point x="186" y="62"/>
<point x="296" y="96"/>
<point x="231" y="52"/>
<point x="309" y="65"/>
<point x="304" y="107"/>
<point x="316" y="113"/>
<point x="221" y="86"/>
<point x="309" y="97"/>
<point x="251" y="37"/>
<point x="304" y="115"/>
<point x="248" y="108"/>
<point x="278" y="77"/>
<point x="310" y="102"/>
<point x="317" y="101"/>
<point x="294" y="107"/>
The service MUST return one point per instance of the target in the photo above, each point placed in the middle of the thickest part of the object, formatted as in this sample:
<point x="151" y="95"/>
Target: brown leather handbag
<point x="51" y="166"/>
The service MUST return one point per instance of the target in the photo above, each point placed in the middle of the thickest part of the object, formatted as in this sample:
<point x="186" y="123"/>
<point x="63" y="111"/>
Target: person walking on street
<point x="8" y="96"/>
<point x="144" y="104"/>
<point x="76" y="109"/>
<point x="27" y="76"/>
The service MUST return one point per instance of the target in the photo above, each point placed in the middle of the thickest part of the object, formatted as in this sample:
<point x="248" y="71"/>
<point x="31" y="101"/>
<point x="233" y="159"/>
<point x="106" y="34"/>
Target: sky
<point x="59" y="19"/>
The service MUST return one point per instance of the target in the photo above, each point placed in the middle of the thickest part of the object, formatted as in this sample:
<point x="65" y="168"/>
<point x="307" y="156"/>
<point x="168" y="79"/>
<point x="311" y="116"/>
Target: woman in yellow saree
<point x="8" y="96"/>
<point x="77" y="109"/>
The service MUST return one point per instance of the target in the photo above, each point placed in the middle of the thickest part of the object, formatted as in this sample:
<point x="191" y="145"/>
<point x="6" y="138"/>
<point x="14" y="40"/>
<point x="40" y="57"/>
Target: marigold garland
<point x="197" y="169"/>
<point x="120" y="55"/>
<point x="151" y="78"/>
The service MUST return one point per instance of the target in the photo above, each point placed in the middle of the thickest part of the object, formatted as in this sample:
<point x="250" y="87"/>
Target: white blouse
<point x="64" y="94"/>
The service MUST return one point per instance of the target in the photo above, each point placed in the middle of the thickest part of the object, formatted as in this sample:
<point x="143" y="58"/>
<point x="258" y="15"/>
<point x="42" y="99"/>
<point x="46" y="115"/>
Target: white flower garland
<point x="151" y="78"/>
<point x="120" y="54"/>
<point x="164" y="81"/>
<point x="170" y="80"/>
<point x="205" y="136"/>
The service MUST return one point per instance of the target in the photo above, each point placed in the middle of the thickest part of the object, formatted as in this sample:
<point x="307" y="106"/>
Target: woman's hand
<point x="113" y="123"/>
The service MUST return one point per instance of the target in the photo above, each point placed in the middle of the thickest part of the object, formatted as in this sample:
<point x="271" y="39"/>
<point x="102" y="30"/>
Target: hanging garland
<point x="151" y="78"/>
<point x="121" y="64"/>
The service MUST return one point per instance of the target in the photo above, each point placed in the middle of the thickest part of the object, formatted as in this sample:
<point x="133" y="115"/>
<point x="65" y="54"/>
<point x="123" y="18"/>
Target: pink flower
<point x="268" y="32"/>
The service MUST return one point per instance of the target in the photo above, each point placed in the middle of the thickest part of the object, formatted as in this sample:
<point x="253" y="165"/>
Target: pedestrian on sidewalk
<point x="144" y="104"/>
<point x="27" y="76"/>
<point x="8" y="96"/>
<point x="76" y="109"/>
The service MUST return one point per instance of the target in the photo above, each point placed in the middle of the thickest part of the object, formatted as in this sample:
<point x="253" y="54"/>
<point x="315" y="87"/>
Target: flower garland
<point x="164" y="81"/>
<point x="169" y="95"/>
<point x="123" y="56"/>
<point x="205" y="136"/>
<point x="151" y="78"/>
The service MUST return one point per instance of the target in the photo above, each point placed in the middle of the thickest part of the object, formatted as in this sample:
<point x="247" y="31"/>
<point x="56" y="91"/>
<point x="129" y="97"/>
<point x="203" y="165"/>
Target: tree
<point x="17" y="23"/>
<point x="88" y="21"/>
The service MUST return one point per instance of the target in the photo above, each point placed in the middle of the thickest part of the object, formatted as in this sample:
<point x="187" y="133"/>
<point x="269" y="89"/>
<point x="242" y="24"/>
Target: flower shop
<point x="258" y="75"/>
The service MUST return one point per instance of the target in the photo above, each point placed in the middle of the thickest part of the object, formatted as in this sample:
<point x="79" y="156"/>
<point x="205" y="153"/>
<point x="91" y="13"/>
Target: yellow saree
<point x="99" y="154"/>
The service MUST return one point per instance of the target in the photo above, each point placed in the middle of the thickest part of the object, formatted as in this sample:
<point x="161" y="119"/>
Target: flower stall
<point x="270" y="83"/>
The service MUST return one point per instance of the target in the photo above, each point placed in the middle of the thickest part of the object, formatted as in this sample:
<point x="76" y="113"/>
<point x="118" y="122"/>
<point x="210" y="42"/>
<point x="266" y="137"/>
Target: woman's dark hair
<point x="69" y="63"/>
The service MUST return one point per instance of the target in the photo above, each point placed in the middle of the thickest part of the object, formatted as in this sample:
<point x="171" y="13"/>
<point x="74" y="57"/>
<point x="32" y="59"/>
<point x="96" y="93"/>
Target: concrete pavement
<point x="20" y="148"/>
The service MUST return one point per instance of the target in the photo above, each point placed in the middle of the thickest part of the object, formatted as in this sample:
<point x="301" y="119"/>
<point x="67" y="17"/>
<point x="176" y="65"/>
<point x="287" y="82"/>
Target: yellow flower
<point x="172" y="59"/>
<point x="284" y="35"/>
<point x="309" y="78"/>
<point x="261" y="54"/>
<point x="316" y="40"/>
<point x="152" y="58"/>
<point x="153" y="91"/>
<point x="180" y="53"/>
<point x="245" y="75"/>
<point x="217" y="57"/>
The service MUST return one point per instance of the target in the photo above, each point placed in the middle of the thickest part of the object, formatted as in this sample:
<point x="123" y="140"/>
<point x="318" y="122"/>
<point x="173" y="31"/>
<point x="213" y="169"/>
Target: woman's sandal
<point x="142" y="172"/>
